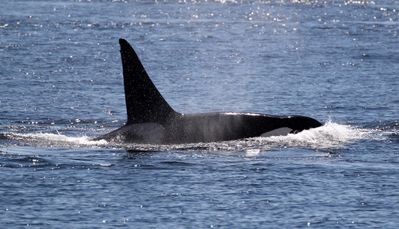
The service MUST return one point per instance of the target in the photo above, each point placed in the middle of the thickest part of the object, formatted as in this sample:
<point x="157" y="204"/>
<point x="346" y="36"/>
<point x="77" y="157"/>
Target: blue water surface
<point x="61" y="85"/>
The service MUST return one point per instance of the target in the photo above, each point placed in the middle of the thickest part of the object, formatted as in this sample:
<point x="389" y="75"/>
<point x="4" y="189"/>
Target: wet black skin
<point x="152" y="121"/>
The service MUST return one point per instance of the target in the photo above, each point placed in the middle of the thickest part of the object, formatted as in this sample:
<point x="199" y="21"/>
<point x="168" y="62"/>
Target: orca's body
<point x="151" y="120"/>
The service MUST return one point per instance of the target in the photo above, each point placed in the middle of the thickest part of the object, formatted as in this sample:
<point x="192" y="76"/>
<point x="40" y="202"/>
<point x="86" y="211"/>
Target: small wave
<point x="330" y="135"/>
<point x="24" y="161"/>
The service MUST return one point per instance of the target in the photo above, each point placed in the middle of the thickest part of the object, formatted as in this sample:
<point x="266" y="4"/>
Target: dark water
<point x="61" y="84"/>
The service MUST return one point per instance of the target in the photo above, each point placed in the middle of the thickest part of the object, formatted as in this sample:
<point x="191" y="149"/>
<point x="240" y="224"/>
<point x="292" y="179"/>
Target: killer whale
<point x="151" y="120"/>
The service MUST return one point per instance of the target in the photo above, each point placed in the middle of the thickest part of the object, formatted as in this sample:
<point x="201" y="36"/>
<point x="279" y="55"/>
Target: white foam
<point x="57" y="139"/>
<point x="330" y="135"/>
<point x="252" y="152"/>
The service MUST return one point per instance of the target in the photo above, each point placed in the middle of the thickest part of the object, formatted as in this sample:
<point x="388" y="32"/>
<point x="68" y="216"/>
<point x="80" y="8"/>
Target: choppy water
<point x="61" y="84"/>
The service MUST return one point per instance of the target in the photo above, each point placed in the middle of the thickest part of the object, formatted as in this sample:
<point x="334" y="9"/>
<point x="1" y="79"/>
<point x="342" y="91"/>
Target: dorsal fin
<point x="144" y="103"/>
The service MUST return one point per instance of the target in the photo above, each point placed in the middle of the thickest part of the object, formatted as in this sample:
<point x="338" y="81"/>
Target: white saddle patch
<point x="277" y="132"/>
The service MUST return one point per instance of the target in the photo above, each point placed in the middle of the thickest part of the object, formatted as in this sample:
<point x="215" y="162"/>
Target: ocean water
<point x="61" y="85"/>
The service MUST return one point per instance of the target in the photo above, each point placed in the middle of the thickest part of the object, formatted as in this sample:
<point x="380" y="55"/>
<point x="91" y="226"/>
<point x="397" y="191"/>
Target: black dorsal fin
<point x="144" y="103"/>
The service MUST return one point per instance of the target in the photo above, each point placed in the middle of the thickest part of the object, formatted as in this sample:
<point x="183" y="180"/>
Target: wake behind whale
<point x="151" y="120"/>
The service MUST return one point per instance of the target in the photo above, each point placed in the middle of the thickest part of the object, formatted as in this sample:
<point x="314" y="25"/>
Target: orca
<point x="151" y="120"/>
